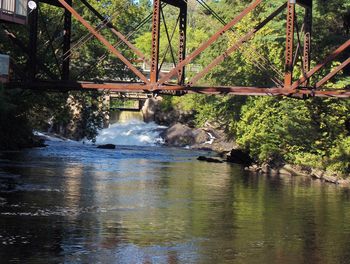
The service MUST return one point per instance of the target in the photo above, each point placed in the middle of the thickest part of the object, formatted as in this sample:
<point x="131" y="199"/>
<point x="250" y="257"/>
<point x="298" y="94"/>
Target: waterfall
<point x="132" y="132"/>
<point x="124" y="116"/>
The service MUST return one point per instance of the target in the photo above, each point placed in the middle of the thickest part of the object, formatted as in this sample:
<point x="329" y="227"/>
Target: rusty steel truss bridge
<point x="297" y="43"/>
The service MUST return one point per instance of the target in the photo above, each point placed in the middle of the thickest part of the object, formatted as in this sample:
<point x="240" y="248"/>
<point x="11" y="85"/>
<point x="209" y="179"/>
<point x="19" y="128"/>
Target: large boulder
<point x="179" y="135"/>
<point x="149" y="109"/>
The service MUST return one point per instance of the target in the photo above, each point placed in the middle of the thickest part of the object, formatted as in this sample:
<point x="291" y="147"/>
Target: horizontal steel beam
<point x="64" y="86"/>
<point x="51" y="2"/>
<point x="305" y="3"/>
<point x="12" y="18"/>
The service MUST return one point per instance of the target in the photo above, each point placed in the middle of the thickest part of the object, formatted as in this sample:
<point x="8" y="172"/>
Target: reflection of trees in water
<point x="207" y="213"/>
<point x="176" y="206"/>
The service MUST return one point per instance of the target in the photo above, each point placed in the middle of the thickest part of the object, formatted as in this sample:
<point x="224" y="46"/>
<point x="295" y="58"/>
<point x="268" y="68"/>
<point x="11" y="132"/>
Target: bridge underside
<point x="175" y="81"/>
<point x="64" y="86"/>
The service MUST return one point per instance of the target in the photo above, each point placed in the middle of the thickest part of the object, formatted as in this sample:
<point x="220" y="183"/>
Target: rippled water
<point x="73" y="203"/>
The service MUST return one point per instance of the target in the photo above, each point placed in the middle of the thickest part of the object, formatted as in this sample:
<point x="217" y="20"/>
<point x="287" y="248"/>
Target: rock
<point x="213" y="160"/>
<point x="173" y="116"/>
<point x="289" y="170"/>
<point x="106" y="146"/>
<point x="254" y="167"/>
<point x="265" y="168"/>
<point x="200" y="136"/>
<point x="239" y="157"/>
<point x="315" y="173"/>
<point x="179" y="135"/>
<point x="149" y="109"/>
<point x="330" y="178"/>
<point x="38" y="142"/>
<point x="344" y="182"/>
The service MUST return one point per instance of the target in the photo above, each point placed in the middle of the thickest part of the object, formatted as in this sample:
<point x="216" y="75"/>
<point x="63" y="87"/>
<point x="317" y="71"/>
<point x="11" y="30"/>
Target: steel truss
<point x="164" y="83"/>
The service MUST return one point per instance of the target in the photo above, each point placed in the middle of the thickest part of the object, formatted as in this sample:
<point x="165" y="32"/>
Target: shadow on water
<point x="73" y="203"/>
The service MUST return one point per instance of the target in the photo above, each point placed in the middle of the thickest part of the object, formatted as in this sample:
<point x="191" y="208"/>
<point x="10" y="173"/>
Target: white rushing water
<point x="132" y="133"/>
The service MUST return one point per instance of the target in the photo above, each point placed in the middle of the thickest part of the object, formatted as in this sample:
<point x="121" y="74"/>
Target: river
<point x="143" y="203"/>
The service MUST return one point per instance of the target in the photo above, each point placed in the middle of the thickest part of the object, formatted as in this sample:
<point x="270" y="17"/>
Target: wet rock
<point x="207" y="159"/>
<point x="106" y="146"/>
<point x="253" y="168"/>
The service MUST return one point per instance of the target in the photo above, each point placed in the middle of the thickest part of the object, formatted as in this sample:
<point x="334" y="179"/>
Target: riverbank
<point x="214" y="139"/>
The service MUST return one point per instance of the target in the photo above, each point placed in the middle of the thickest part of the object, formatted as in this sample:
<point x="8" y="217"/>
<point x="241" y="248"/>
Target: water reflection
<point x="77" y="204"/>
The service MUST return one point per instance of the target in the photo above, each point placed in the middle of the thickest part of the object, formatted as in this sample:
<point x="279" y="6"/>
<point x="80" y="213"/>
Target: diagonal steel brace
<point x="104" y="41"/>
<point x="211" y="40"/>
<point x="235" y="46"/>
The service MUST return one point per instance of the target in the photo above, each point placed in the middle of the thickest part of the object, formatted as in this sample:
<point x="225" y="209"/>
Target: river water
<point x="73" y="203"/>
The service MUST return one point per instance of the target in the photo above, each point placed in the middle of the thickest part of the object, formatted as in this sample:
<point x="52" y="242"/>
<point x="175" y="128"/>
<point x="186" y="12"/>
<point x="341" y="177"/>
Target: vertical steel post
<point x="66" y="42"/>
<point x="155" y="41"/>
<point x="307" y="39"/>
<point x="288" y="70"/>
<point x="182" y="42"/>
<point x="33" y="39"/>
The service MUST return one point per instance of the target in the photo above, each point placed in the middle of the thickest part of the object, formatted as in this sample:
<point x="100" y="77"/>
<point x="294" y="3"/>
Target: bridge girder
<point x="158" y="82"/>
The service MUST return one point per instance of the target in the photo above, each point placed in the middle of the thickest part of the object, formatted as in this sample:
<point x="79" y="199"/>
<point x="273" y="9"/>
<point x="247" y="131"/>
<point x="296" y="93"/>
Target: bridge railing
<point x="13" y="11"/>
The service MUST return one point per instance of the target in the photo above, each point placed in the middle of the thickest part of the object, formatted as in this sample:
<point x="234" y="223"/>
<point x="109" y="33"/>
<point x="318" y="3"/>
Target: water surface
<point x="73" y="203"/>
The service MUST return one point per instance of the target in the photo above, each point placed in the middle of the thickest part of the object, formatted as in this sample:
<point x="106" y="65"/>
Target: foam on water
<point x="131" y="133"/>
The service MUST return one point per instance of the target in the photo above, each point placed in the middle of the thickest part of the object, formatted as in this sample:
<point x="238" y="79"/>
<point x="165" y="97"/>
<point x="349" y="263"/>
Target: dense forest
<point x="306" y="131"/>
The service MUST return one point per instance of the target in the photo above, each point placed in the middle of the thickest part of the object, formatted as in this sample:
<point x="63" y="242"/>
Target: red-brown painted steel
<point x="182" y="40"/>
<point x="110" y="47"/>
<point x="307" y="40"/>
<point x="235" y="46"/>
<point x="148" y="88"/>
<point x="115" y="31"/>
<point x="155" y="41"/>
<point x="299" y="88"/>
<point x="319" y="66"/>
<point x="211" y="40"/>
<point x="332" y="73"/>
<point x="288" y="68"/>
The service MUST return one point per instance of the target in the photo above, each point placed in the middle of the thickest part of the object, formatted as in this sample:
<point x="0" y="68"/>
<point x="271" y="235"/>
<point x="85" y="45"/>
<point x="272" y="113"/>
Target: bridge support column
<point x="33" y="39"/>
<point x="155" y="41"/>
<point x="288" y="71"/>
<point x="66" y="42"/>
<point x="182" y="42"/>
<point x="307" y="39"/>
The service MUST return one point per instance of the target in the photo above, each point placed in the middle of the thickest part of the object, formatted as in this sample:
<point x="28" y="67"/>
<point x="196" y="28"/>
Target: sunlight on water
<point x="132" y="133"/>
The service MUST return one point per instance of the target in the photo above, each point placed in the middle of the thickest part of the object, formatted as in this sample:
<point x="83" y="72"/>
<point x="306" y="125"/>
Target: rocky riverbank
<point x="297" y="170"/>
<point x="214" y="139"/>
